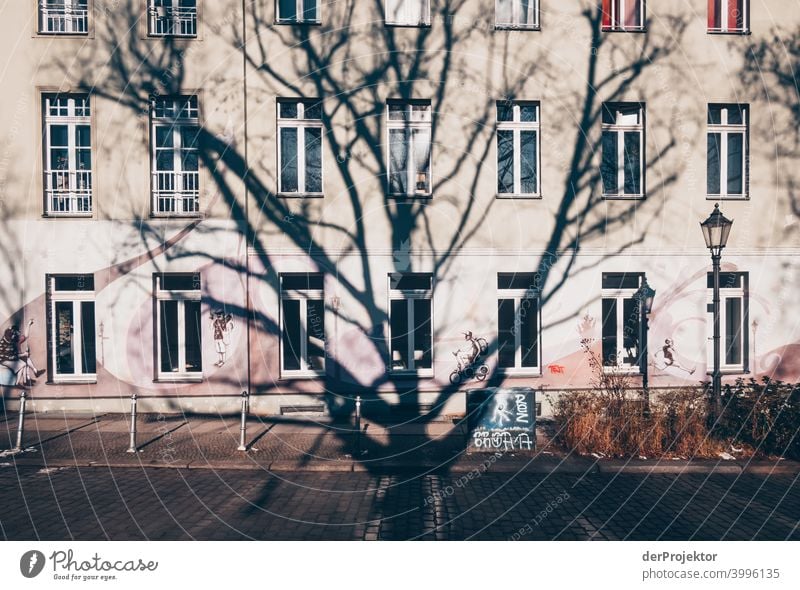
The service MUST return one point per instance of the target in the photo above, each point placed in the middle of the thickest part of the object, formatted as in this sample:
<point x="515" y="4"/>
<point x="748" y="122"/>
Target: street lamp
<point x="715" y="231"/>
<point x="644" y="296"/>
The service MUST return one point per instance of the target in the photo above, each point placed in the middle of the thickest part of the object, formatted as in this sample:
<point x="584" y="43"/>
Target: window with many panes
<point x="733" y="310"/>
<point x="518" y="148"/>
<point x="518" y="322"/>
<point x="623" y="15"/>
<point x="409" y="128"/>
<point x="300" y="146"/>
<point x="298" y="11"/>
<point x="67" y="154"/>
<point x="621" y="321"/>
<point x="411" y="13"/>
<point x="516" y="14"/>
<point x="410" y="331"/>
<point x="175" y="160"/>
<point x="302" y="324"/>
<point x="623" y="149"/>
<point x="728" y="16"/>
<point x="64" y="17"/>
<point x="71" y="328"/>
<point x="727" y="150"/>
<point x="172" y="18"/>
<point x="178" y="326"/>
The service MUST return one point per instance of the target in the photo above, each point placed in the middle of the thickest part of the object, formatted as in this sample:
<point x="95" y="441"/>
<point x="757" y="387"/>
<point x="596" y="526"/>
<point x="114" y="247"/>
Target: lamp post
<point x="644" y="296"/>
<point x="716" y="230"/>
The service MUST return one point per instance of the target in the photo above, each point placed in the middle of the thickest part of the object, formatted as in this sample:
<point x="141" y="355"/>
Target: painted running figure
<point x="668" y="352"/>
<point x="222" y="324"/>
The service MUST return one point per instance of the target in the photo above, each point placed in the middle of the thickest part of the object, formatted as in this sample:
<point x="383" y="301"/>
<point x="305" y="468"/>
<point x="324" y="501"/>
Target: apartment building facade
<point x="313" y="201"/>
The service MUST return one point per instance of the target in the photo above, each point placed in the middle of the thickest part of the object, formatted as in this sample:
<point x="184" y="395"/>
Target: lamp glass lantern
<point x="646" y="294"/>
<point x="716" y="230"/>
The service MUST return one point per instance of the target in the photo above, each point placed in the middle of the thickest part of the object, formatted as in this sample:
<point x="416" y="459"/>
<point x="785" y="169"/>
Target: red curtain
<point x="735" y="14"/>
<point x="632" y="13"/>
<point x="713" y="12"/>
<point x="606" y="13"/>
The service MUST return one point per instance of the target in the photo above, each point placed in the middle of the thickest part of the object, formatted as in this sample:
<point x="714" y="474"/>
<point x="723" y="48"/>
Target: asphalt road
<point x="160" y="503"/>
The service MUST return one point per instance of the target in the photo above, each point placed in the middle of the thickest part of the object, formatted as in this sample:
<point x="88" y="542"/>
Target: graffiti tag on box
<point x="502" y="420"/>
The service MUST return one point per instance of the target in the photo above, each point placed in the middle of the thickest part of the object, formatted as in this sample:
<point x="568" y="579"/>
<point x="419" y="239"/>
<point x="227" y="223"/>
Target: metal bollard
<point x="21" y="425"/>
<point x="243" y="428"/>
<point x="132" y="445"/>
<point x="357" y="444"/>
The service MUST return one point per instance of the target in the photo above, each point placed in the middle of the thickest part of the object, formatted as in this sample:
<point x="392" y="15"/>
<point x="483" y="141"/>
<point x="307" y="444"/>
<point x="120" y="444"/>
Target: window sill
<point x="187" y="37"/>
<point x="530" y="196"/>
<point x="727" y="197"/>
<point x="182" y="378"/>
<point x="625" y="30"/>
<point x="735" y="33"/>
<point x="631" y="371"/>
<point x="47" y="35"/>
<point x="512" y="27"/>
<point x="517" y="372"/>
<point x="728" y="372"/>
<point x="301" y="23"/>
<point x="406" y="374"/>
<point x="177" y="215"/>
<point x="88" y="215"/>
<point x="409" y="197"/>
<point x="84" y="380"/>
<point x="305" y="376"/>
<point x="301" y="195"/>
<point x="422" y="25"/>
<point x="624" y="197"/>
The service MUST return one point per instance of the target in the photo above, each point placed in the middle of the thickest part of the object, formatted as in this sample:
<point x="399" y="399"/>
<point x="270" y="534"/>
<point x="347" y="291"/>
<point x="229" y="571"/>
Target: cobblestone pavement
<point x="157" y="503"/>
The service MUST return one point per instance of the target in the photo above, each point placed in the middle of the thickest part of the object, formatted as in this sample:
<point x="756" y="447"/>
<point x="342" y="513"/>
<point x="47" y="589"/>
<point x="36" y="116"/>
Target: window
<point x="410" y="306"/>
<point x="516" y="14"/>
<point x="623" y="149"/>
<point x="68" y="154"/>
<point x="409" y="125"/>
<point x="518" y="322"/>
<point x="727" y="150"/>
<point x="64" y="17"/>
<point x="623" y="15"/>
<point x="302" y="324"/>
<point x="728" y="16"/>
<point x="733" y="321"/>
<point x="410" y="13"/>
<point x="175" y="140"/>
<point x="300" y="146"/>
<point x="621" y="321"/>
<point x="518" y="148"/>
<point x="173" y="18"/>
<point x="298" y="11"/>
<point x="178" y="326"/>
<point x="71" y="328"/>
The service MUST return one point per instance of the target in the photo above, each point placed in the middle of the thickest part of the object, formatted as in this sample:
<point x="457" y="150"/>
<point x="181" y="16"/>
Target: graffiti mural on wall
<point x="665" y="358"/>
<point x="17" y="363"/>
<point x="470" y="360"/>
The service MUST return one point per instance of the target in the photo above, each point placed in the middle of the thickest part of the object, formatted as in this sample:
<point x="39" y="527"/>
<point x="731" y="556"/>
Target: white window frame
<point x="299" y="11"/>
<point x="76" y="298"/>
<point x="304" y="296"/>
<point x="725" y="293"/>
<point x="517" y="126"/>
<point x="425" y="16"/>
<point x="181" y="296"/>
<point x="179" y="16"/>
<point x="620" y="130"/>
<point x="409" y="124"/>
<point x="301" y="124"/>
<point x="723" y="10"/>
<point x="620" y="295"/>
<point x="409" y="296"/>
<point x="516" y="16"/>
<point x="519" y="296"/>
<point x="181" y="197"/>
<point x="68" y="192"/>
<point x="69" y="13"/>
<point x="725" y="129"/>
<point x="623" y="5"/>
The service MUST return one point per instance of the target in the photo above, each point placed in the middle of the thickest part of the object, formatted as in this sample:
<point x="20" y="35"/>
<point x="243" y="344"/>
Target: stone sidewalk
<point x="303" y="444"/>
